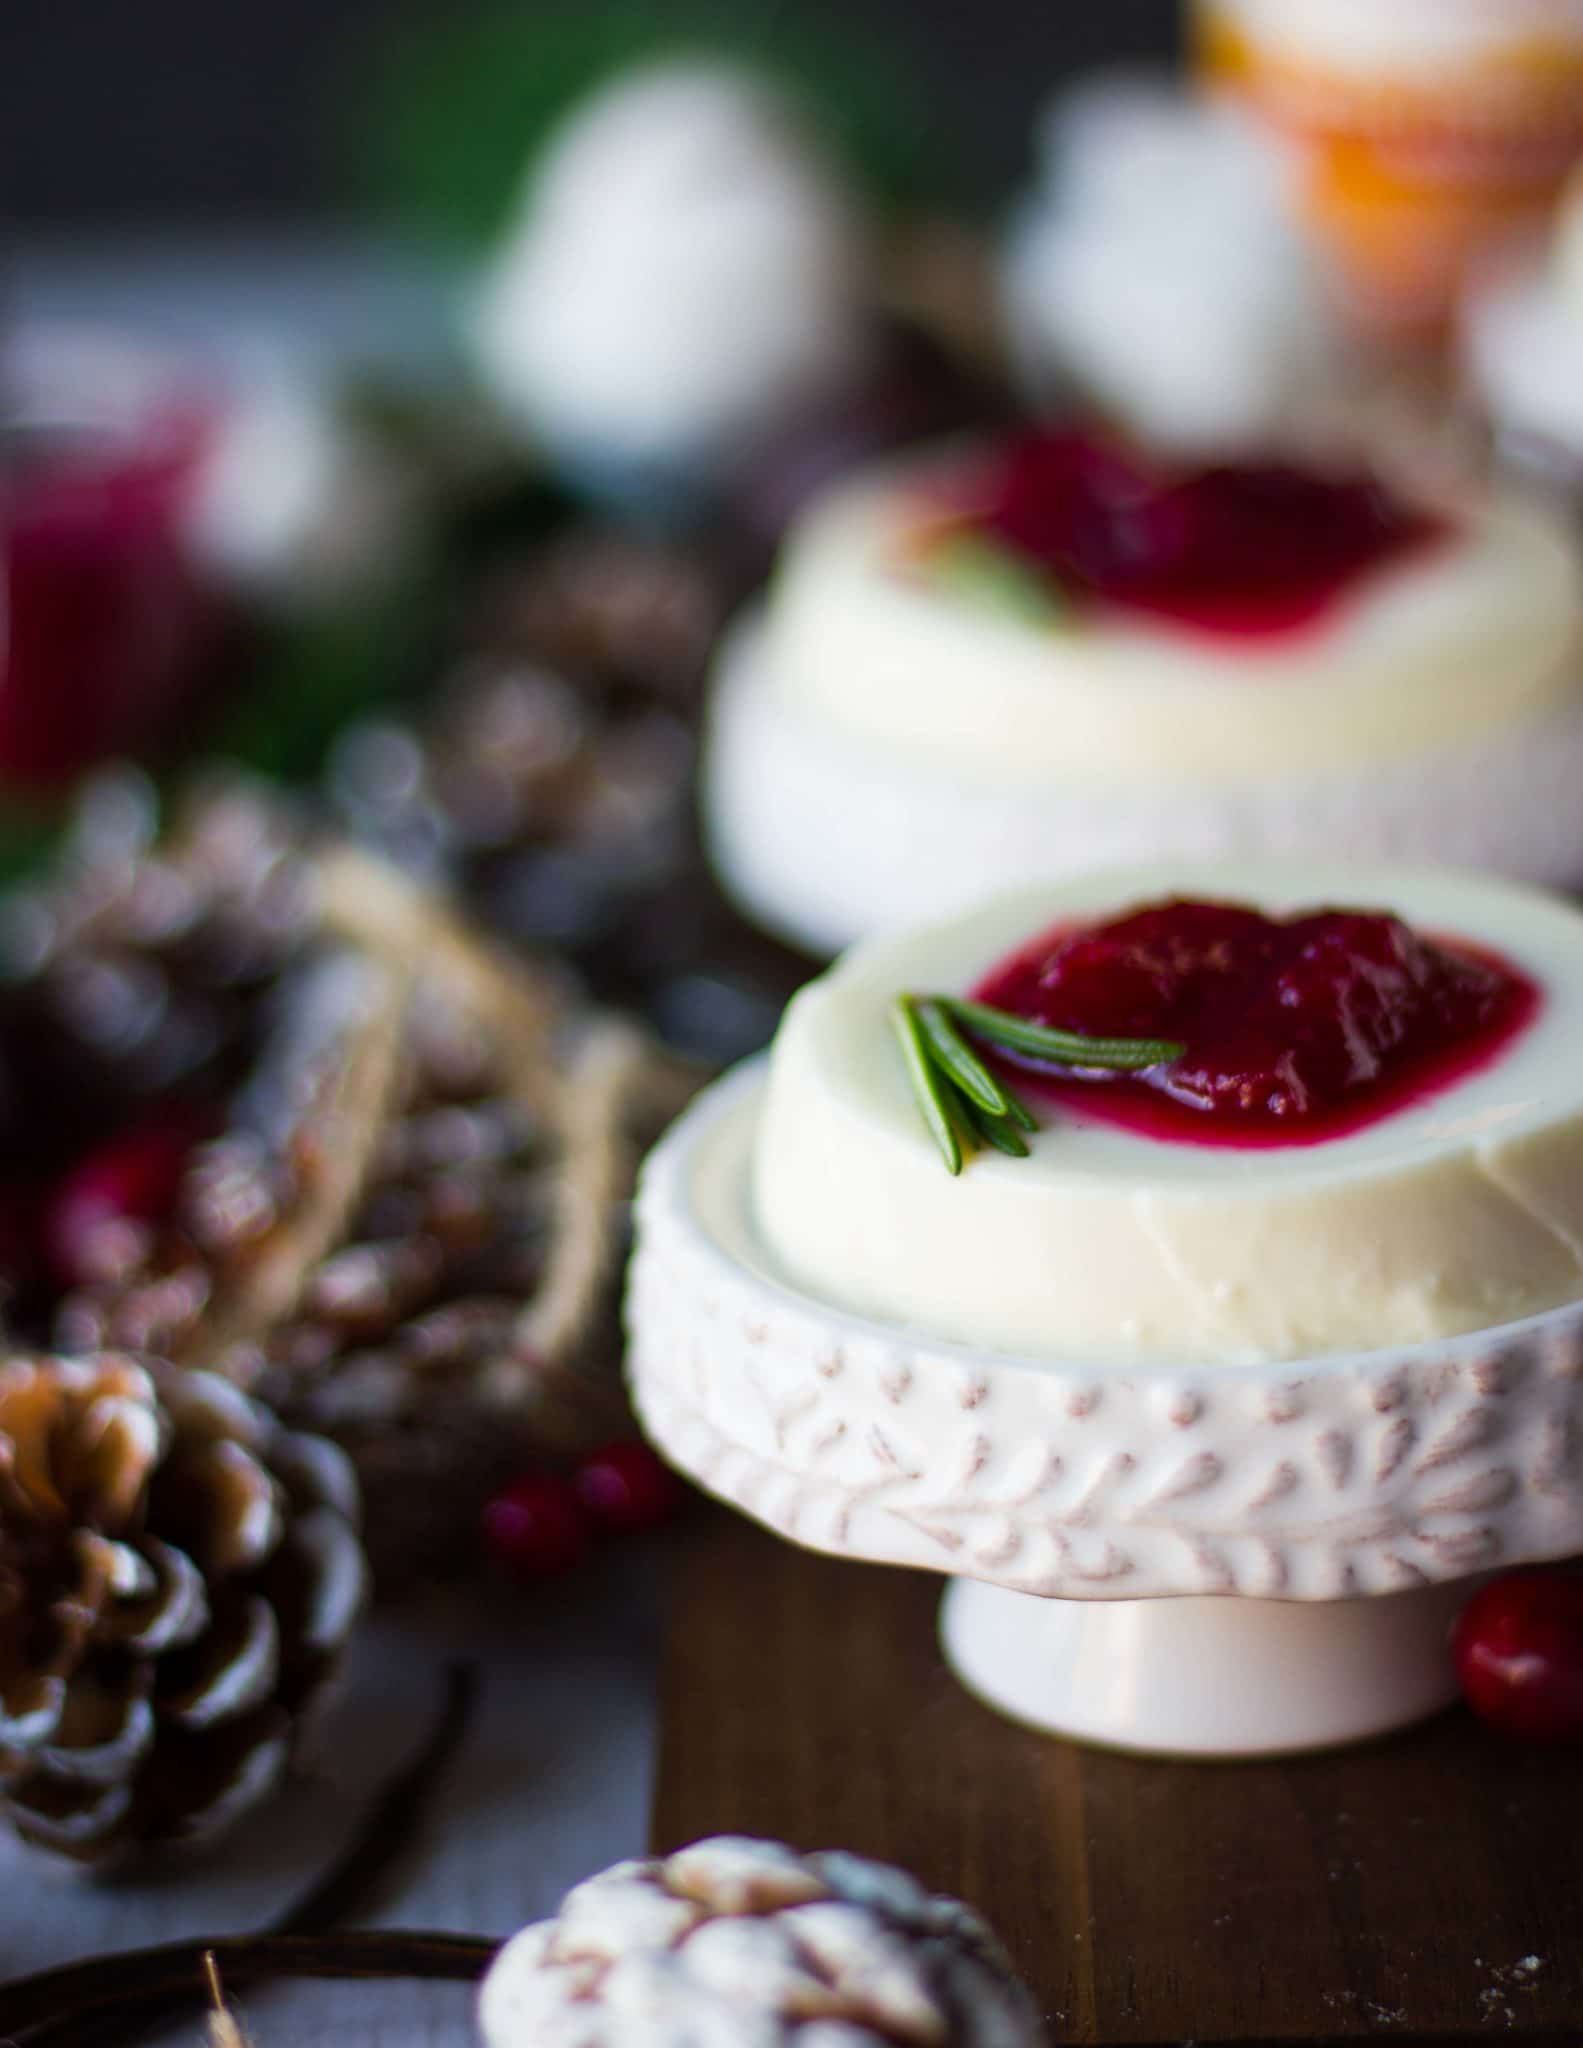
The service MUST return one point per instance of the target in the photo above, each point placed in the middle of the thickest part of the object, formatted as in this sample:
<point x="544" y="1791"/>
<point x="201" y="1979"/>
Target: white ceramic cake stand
<point x="825" y="835"/>
<point x="1316" y="1522"/>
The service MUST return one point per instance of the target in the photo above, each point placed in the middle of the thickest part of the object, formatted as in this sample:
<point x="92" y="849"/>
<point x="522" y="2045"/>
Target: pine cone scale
<point x="106" y="1728"/>
<point x="176" y="1611"/>
<point x="232" y="1668"/>
<point x="52" y="1813"/>
<point x="329" y="1580"/>
<point x="30" y="1709"/>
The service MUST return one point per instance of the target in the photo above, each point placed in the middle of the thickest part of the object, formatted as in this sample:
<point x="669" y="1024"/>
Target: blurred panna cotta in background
<point x="686" y="268"/>
<point x="1158" y="265"/>
<point x="1006" y="660"/>
<point x="1522" y="345"/>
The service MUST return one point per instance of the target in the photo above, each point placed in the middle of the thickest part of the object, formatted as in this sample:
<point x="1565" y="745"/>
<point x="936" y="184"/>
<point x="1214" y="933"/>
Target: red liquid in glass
<point x="105" y="620"/>
<point x="1295" y="1029"/>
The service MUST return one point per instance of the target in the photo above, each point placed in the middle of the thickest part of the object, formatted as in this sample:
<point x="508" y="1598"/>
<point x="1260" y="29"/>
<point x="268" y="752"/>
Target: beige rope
<point x="350" y="1118"/>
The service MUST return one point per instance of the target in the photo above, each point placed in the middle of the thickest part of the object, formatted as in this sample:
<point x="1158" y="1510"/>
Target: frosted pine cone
<point x="745" y="1944"/>
<point x="177" y="1578"/>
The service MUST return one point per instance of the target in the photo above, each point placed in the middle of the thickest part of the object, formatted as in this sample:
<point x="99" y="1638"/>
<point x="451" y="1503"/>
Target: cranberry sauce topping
<point x="1295" y="1029"/>
<point x="1238" y="550"/>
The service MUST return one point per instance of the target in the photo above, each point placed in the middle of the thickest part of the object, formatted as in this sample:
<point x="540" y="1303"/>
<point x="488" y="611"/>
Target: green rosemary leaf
<point x="1018" y="1111"/>
<point x="928" y="1090"/>
<point x="1069" y="1048"/>
<point x="995" y="578"/>
<point x="956" y="1059"/>
<point x="999" y="1132"/>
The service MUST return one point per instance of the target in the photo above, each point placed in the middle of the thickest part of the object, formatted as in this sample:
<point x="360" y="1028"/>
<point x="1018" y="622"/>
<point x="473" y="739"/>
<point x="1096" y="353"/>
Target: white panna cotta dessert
<point x="1191" y="1229"/>
<point x="992" y="662"/>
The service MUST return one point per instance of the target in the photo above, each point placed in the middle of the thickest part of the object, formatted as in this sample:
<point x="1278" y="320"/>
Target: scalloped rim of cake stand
<point x="1355" y="1474"/>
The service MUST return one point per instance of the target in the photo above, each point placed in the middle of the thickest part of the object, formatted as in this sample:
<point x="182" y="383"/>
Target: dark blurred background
<point x="149" y="112"/>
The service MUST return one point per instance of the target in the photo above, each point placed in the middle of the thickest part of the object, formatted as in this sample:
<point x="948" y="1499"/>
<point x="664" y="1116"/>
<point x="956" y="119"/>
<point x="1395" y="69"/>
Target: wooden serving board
<point x="1428" y="1888"/>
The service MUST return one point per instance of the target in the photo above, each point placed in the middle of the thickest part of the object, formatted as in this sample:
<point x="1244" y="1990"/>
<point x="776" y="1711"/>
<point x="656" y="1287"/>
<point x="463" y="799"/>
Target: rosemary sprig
<point x="930" y="1085"/>
<point x="952" y="1052"/>
<point x="1000" y="1132"/>
<point x="1061" y="1048"/>
<point x="962" y="1102"/>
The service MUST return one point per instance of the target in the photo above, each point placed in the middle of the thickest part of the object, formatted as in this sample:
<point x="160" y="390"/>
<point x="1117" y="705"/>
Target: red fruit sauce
<point x="1235" y="550"/>
<point x="1295" y="1029"/>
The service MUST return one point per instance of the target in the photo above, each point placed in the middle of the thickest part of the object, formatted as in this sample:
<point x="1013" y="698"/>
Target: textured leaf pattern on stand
<point x="1365" y="1474"/>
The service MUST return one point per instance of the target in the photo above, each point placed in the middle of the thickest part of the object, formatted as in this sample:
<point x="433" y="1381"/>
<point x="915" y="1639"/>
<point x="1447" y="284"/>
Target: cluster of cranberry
<point x="548" y="1522"/>
<point x="65" y="1230"/>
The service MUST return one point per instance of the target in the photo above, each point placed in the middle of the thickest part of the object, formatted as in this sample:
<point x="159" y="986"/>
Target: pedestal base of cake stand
<point x="1204" y="1676"/>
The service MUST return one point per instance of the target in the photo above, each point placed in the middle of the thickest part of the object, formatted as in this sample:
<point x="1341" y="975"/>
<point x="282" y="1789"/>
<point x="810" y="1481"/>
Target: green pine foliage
<point x="459" y="109"/>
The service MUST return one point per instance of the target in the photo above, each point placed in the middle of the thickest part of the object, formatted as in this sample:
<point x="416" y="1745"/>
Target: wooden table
<point x="1428" y="1888"/>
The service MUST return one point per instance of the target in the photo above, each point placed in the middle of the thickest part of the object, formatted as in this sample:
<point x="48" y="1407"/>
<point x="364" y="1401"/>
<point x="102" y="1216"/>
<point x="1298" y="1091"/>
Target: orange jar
<point x="1432" y="129"/>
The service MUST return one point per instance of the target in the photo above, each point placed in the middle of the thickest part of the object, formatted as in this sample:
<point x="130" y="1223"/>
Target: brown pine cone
<point x="406" y="1230"/>
<point x="178" y="1575"/>
<point x="550" y="785"/>
<point x="611" y="609"/>
<point x="464" y="1324"/>
<point x="745" y="1944"/>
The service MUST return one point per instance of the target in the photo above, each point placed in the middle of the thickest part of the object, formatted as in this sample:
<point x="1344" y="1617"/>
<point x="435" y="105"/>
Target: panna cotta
<point x="1370" y="1132"/>
<point x="1031" y="657"/>
<point x="1198" y="1230"/>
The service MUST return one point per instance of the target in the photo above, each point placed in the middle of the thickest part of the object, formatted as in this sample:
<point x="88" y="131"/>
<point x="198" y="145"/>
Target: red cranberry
<point x="1294" y="1028"/>
<point x="1519" y="1654"/>
<point x="537" y="1527"/>
<point x="625" y="1488"/>
<point x="134" y="1179"/>
<point x="1249" y="548"/>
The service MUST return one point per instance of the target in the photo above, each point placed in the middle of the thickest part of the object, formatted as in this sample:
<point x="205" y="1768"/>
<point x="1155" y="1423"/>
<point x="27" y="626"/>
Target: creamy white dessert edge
<point x="1477" y="630"/>
<point x="1458" y="1212"/>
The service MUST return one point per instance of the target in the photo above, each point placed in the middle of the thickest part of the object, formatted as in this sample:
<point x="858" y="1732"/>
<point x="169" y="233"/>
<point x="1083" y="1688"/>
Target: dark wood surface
<point x="1427" y="1887"/>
